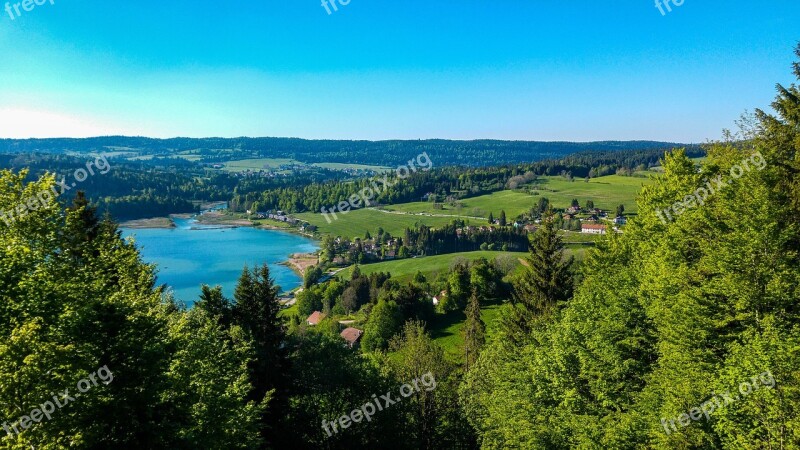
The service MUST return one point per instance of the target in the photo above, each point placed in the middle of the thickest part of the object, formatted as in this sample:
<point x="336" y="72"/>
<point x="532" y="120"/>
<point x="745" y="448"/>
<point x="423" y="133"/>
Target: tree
<point x="546" y="282"/>
<point x="491" y="218"/>
<point x="383" y="323"/>
<point x="350" y="300"/>
<point x="308" y="301"/>
<point x="419" y="278"/>
<point x="312" y="276"/>
<point x="502" y="218"/>
<point x="620" y="210"/>
<point x="458" y="289"/>
<point x="214" y="303"/>
<point x="474" y="331"/>
<point x="542" y="206"/>
<point x="162" y="386"/>
<point x="256" y="310"/>
<point x="328" y="246"/>
<point x="432" y="413"/>
<point x="575" y="203"/>
<point x="589" y="205"/>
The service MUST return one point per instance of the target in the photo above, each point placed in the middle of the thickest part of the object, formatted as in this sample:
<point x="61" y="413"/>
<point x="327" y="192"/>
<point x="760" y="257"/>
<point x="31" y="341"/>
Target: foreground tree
<point x="75" y="298"/>
<point x="256" y="310"/>
<point x="545" y="283"/>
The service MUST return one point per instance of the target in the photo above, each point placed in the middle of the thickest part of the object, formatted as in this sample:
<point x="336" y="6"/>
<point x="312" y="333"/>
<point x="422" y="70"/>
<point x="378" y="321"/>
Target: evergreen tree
<point x="491" y="218"/>
<point x="502" y="218"/>
<point x="214" y="303"/>
<point x="474" y="331"/>
<point x="256" y="310"/>
<point x="546" y="282"/>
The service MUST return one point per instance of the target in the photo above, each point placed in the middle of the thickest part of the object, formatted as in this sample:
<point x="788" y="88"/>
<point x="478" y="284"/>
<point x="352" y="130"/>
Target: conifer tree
<point x="256" y="310"/>
<point x="546" y="282"/>
<point x="474" y="331"/>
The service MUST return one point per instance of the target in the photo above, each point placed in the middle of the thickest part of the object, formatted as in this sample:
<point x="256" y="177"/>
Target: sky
<point x="540" y="70"/>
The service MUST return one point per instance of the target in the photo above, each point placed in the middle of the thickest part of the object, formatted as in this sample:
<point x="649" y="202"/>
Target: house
<point x="351" y="336"/>
<point x="315" y="318"/>
<point x="439" y="298"/>
<point x="590" y="228"/>
<point x="620" y="220"/>
<point x="530" y="228"/>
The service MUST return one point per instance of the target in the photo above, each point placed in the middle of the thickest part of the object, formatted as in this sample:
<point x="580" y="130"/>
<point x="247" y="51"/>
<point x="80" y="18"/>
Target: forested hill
<point x="389" y="153"/>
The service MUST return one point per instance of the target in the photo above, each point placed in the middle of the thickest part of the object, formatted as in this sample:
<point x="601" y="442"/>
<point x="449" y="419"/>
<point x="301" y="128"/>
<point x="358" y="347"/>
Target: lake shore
<point x="153" y="223"/>
<point x="300" y="262"/>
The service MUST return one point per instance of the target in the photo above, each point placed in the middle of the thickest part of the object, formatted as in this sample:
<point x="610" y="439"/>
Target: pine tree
<point x="502" y="218"/>
<point x="80" y="229"/>
<point x="256" y="310"/>
<point x="474" y="331"/>
<point x="213" y="302"/>
<point x="491" y="218"/>
<point x="546" y="281"/>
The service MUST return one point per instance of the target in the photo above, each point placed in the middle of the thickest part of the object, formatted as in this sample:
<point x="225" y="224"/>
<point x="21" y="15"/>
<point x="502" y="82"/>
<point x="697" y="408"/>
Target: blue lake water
<point x="192" y="254"/>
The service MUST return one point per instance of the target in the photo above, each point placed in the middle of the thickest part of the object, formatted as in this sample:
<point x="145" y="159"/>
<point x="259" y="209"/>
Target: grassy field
<point x="606" y="192"/>
<point x="356" y="223"/>
<point x="514" y="203"/>
<point x="446" y="329"/>
<point x="404" y="270"/>
<point x="256" y="164"/>
<point x="343" y="166"/>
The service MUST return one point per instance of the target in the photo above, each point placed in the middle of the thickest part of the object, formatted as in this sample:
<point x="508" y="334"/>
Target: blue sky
<point x="534" y="70"/>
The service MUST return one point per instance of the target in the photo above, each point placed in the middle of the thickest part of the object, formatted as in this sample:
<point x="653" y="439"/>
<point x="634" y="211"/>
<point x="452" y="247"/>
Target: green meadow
<point x="404" y="270"/>
<point x="357" y="223"/>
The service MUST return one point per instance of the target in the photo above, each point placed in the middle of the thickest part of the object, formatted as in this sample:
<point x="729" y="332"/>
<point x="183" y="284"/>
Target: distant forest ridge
<point x="476" y="153"/>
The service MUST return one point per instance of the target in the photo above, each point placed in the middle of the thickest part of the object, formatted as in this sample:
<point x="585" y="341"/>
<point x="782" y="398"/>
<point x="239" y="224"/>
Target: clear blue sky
<point x="375" y="69"/>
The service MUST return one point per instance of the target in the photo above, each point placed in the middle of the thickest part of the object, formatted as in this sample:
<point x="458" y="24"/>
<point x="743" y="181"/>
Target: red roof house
<point x="351" y="335"/>
<point x="315" y="318"/>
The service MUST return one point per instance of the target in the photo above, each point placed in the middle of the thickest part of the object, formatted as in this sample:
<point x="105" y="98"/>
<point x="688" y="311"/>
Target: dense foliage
<point x="378" y="153"/>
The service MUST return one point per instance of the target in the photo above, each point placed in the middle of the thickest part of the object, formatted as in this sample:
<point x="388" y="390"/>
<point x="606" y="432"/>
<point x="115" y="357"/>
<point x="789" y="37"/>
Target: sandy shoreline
<point x="156" y="222"/>
<point x="299" y="262"/>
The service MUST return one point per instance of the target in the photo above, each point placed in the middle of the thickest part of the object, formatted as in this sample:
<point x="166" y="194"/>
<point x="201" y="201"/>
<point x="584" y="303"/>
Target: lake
<point x="192" y="254"/>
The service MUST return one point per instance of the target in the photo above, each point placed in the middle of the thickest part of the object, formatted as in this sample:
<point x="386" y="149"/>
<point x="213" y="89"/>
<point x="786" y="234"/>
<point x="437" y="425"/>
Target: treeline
<point x="429" y="241"/>
<point x="447" y="182"/>
<point x="380" y="153"/>
<point x="143" y="189"/>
